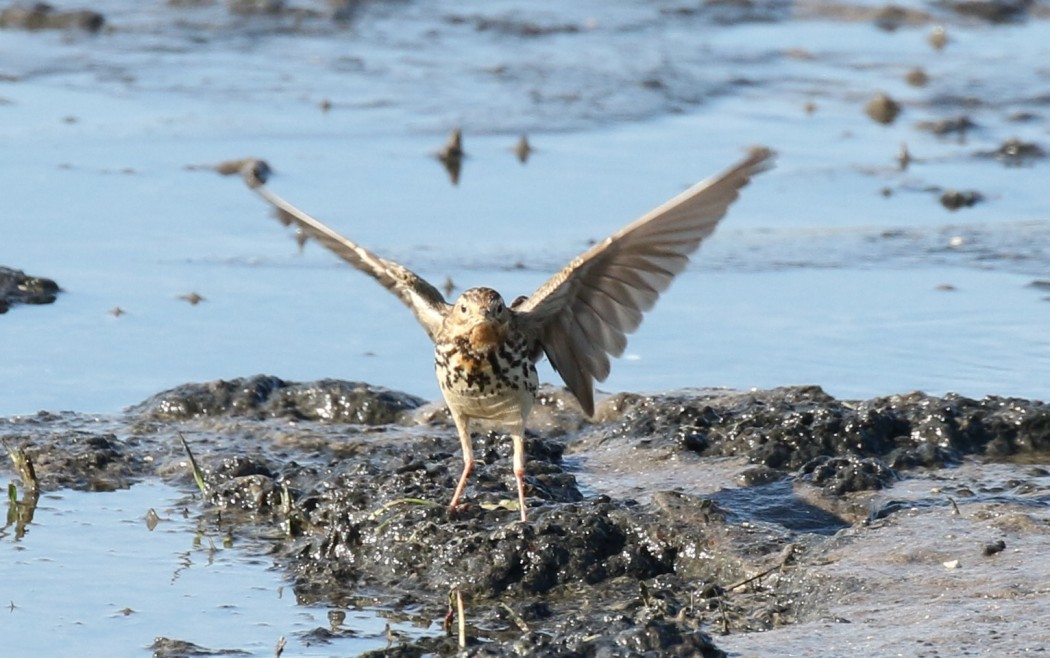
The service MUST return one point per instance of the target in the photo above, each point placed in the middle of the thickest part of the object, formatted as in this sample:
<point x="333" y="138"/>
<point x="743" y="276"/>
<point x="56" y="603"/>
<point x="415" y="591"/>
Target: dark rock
<point x="994" y="547"/>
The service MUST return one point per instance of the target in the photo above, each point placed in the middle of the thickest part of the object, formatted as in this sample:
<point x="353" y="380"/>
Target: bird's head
<point x="481" y="315"/>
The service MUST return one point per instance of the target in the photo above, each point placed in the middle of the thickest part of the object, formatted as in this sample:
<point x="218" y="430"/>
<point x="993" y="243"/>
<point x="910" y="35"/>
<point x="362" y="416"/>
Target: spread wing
<point x="424" y="299"/>
<point x="583" y="314"/>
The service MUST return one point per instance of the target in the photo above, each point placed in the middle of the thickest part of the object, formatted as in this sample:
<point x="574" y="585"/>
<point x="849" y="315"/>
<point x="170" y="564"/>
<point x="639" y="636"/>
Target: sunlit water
<point x="815" y="277"/>
<point x="90" y="578"/>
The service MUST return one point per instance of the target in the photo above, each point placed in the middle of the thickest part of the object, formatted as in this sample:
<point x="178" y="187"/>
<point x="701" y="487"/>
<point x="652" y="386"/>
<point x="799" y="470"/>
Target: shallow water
<point x="90" y="574"/>
<point x="815" y="277"/>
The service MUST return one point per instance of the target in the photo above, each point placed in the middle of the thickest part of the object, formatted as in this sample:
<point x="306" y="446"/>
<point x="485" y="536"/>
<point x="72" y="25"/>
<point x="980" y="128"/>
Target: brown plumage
<point x="485" y="351"/>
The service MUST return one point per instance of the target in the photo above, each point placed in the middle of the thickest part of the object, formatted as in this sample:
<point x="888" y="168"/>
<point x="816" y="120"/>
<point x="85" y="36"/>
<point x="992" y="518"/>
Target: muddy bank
<point x="668" y="523"/>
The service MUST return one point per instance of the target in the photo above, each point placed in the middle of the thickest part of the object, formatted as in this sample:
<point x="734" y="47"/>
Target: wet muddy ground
<point x="686" y="524"/>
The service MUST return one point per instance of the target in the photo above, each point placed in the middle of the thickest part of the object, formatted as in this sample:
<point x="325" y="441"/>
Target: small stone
<point x="523" y="149"/>
<point x="917" y="78"/>
<point x="938" y="38"/>
<point x="951" y="564"/>
<point x="883" y="109"/>
<point x="993" y="547"/>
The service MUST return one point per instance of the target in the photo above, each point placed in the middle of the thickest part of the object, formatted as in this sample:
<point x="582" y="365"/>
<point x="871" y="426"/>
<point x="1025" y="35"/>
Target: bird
<point x="485" y="350"/>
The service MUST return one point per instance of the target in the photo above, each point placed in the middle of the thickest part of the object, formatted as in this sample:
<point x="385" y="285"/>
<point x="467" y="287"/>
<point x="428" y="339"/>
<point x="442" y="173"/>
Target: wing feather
<point x="421" y="297"/>
<point x="583" y="314"/>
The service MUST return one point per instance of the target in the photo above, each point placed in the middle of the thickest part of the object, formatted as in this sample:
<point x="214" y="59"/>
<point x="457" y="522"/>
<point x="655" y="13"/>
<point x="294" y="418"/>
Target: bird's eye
<point x="463" y="309"/>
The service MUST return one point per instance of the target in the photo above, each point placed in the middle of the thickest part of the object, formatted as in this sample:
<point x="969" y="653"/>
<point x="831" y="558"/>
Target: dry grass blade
<point x="198" y="475"/>
<point x="518" y="621"/>
<point x="462" y="619"/>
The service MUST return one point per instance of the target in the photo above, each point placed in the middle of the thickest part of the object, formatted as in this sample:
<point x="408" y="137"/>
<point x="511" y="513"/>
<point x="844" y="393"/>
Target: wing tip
<point x="759" y="158"/>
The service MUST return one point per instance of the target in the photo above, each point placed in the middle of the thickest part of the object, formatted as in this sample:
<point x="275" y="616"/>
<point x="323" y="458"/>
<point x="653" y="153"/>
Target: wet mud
<point x="663" y="527"/>
<point x="42" y="16"/>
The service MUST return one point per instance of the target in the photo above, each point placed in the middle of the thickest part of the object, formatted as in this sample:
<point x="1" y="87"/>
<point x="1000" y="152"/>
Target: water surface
<point x="817" y="275"/>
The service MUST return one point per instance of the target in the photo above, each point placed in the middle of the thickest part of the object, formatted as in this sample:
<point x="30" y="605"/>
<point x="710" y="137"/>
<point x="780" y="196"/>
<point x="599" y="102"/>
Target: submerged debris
<point x="452" y="154"/>
<point x="42" y="16"/>
<point x="523" y="149"/>
<point x="955" y="199"/>
<point x="955" y="125"/>
<point x="1015" y="152"/>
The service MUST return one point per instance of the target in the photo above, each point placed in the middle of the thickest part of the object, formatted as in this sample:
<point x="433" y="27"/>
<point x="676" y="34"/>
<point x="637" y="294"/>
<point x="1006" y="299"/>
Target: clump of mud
<point x="349" y="486"/>
<point x="42" y="16"/>
<point x="16" y="287"/>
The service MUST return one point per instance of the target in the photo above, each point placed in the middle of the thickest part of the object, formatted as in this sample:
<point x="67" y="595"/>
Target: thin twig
<point x="955" y="507"/>
<point x="785" y="555"/>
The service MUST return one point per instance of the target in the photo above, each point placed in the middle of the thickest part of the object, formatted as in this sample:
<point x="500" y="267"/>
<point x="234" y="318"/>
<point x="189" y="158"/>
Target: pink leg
<point x="519" y="468"/>
<point x="462" y="426"/>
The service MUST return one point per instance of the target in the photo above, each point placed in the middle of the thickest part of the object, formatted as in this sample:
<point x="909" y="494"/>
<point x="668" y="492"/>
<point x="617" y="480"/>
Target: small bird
<point x="485" y="350"/>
